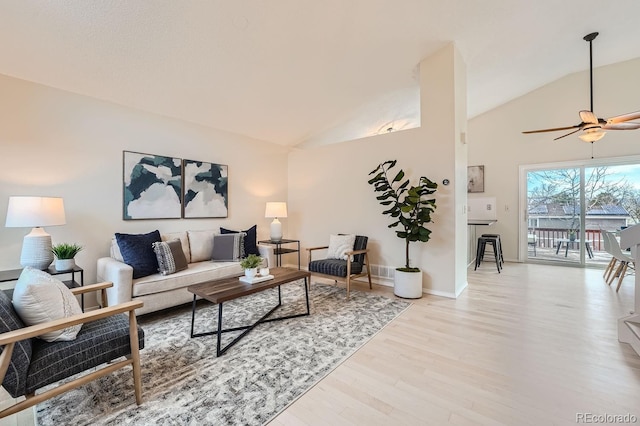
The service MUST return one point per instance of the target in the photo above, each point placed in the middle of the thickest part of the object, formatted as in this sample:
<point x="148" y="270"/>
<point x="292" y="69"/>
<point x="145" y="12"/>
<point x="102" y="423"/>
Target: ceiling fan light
<point x="592" y="135"/>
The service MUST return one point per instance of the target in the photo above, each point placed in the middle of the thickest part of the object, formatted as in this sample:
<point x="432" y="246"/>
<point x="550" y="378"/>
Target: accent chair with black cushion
<point x="28" y="363"/>
<point x="346" y="265"/>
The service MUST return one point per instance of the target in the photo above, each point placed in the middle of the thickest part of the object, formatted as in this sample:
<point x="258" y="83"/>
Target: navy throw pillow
<point x="250" y="240"/>
<point x="137" y="252"/>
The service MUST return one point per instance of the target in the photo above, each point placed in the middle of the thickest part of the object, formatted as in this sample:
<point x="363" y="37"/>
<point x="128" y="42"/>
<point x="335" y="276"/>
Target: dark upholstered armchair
<point x="28" y="364"/>
<point x="338" y="269"/>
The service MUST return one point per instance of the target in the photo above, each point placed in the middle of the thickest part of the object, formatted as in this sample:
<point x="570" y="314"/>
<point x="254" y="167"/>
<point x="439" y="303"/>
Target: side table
<point x="279" y="250"/>
<point x="14" y="274"/>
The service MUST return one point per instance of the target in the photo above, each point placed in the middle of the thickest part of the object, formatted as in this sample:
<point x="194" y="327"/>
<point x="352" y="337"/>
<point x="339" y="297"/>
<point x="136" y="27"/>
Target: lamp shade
<point x="35" y="212"/>
<point x="276" y="209"/>
<point x="31" y="212"/>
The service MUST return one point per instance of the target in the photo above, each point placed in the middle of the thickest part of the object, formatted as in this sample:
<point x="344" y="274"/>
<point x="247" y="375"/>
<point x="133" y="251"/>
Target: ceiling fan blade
<point x="621" y="126"/>
<point x="568" y="134"/>
<point x="624" y="117"/>
<point x="588" y="117"/>
<point x="577" y="126"/>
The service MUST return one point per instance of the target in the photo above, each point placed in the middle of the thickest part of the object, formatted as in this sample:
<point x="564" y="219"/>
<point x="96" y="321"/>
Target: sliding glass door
<point x="554" y="219"/>
<point x="568" y="207"/>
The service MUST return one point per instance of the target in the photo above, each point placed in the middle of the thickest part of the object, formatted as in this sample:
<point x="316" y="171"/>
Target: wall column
<point x="443" y="106"/>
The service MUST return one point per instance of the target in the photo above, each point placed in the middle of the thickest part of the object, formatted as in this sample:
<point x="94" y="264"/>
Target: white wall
<point x="495" y="139"/>
<point x="329" y="193"/>
<point x="55" y="143"/>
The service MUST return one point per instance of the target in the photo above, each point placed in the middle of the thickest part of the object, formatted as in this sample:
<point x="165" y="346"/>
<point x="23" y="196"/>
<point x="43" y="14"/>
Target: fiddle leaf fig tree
<point x="409" y="206"/>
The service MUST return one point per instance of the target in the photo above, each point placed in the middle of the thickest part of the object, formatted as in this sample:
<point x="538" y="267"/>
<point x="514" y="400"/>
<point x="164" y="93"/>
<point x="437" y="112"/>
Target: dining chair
<point x="624" y="260"/>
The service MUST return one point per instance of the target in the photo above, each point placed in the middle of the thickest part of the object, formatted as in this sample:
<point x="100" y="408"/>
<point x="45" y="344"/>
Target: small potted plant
<point x="250" y="265"/>
<point x="65" y="253"/>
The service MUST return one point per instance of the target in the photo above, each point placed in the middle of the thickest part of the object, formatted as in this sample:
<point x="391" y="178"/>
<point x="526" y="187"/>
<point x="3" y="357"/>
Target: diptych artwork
<point x="205" y="189"/>
<point x="152" y="186"/>
<point x="160" y="187"/>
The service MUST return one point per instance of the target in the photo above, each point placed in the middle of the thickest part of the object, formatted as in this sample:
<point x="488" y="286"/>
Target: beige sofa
<point x="163" y="291"/>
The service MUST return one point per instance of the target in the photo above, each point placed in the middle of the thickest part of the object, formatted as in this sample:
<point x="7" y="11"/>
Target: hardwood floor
<point x="536" y="345"/>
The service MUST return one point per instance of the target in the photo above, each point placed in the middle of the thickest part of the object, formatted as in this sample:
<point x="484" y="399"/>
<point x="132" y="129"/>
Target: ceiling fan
<point x="592" y="127"/>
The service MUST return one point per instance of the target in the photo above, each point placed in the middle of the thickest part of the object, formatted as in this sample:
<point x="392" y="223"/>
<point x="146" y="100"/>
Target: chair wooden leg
<point x="366" y="260"/>
<point x="135" y="356"/>
<point x="622" y="274"/>
<point x="609" y="270"/>
<point x="611" y="274"/>
<point x="105" y="301"/>
<point x="609" y="266"/>
<point x="348" y="277"/>
<point x="616" y="273"/>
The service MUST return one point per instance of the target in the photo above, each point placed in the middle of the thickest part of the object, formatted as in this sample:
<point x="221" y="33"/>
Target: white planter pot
<point x="251" y="273"/>
<point x="65" y="264"/>
<point x="408" y="284"/>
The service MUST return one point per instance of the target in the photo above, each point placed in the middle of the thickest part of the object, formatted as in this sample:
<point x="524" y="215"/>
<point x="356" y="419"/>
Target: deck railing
<point x="548" y="237"/>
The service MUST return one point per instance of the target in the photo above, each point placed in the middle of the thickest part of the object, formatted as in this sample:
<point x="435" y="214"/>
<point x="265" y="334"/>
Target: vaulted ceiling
<point x="303" y="71"/>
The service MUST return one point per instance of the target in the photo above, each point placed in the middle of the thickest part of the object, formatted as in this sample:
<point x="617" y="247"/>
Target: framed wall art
<point x="152" y="186"/>
<point x="205" y="190"/>
<point x="475" y="179"/>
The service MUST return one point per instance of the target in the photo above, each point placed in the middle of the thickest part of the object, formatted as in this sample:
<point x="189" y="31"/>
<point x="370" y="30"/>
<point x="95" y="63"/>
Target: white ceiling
<point x="303" y="71"/>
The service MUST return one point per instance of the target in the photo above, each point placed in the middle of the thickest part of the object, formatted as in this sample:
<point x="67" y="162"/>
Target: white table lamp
<point x="35" y="212"/>
<point x="276" y="210"/>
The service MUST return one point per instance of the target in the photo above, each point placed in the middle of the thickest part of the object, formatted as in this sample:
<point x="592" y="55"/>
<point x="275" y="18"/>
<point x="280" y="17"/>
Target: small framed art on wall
<point x="475" y="179"/>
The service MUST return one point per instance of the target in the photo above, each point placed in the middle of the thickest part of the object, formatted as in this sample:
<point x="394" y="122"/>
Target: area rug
<point x="185" y="383"/>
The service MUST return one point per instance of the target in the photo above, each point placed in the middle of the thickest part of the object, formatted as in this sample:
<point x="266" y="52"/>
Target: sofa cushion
<point x="250" y="240"/>
<point x="184" y="239"/>
<point x="228" y="247"/>
<point x="137" y="252"/>
<point x="170" y="257"/>
<point x="201" y="245"/>
<point x="38" y="298"/>
<point x="196" y="273"/>
<point x="335" y="267"/>
<point x="339" y="245"/>
<point x="15" y="379"/>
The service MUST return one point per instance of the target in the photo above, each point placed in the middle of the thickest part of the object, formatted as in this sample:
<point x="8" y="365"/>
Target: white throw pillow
<point x="201" y="245"/>
<point x="339" y="245"/>
<point x="38" y="298"/>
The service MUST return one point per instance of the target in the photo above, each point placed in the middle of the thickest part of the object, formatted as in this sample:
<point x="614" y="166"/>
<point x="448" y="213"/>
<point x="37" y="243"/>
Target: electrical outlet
<point x="489" y="207"/>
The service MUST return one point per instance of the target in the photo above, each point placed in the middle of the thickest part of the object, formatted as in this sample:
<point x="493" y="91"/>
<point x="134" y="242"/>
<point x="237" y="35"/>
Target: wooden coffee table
<point x="224" y="290"/>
